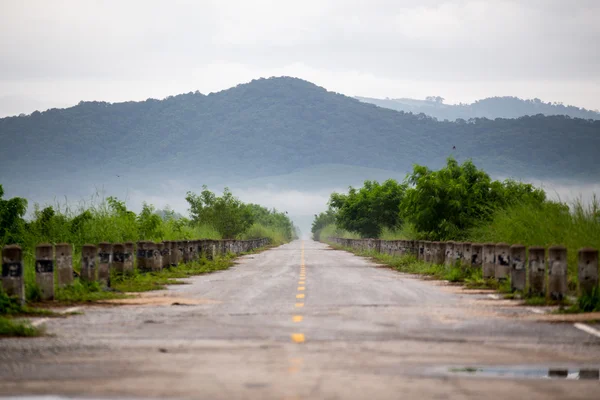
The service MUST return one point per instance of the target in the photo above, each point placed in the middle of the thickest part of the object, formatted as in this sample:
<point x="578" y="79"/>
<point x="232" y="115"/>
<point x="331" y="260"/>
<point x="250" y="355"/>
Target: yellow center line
<point x="300" y="296"/>
<point x="299" y="305"/>
<point x="298" y="337"/>
<point x="300" y="282"/>
<point x="297" y="318"/>
<point x="300" y="288"/>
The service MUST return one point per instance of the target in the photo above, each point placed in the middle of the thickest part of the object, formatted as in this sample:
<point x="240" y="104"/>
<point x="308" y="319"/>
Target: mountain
<point x="491" y="108"/>
<point x="272" y="127"/>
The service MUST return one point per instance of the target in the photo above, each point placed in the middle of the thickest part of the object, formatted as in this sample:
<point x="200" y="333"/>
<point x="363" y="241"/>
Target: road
<point x="302" y="321"/>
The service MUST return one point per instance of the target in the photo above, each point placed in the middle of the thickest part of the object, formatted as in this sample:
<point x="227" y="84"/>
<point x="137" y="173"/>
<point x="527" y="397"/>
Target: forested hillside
<point x="275" y="126"/>
<point x="492" y="108"/>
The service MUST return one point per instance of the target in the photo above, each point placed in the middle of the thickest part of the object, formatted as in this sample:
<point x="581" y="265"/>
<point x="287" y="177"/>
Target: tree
<point x="227" y="214"/>
<point x="12" y="224"/>
<point x="369" y="209"/>
<point x="444" y="204"/>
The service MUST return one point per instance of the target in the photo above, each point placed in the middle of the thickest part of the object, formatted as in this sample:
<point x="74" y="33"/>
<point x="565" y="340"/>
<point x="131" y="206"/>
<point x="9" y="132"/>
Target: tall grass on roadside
<point x="256" y="231"/>
<point x="333" y="231"/>
<point x="545" y="225"/>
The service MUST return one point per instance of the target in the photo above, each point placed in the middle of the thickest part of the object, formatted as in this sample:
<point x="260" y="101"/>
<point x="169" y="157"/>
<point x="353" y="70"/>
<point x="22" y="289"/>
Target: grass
<point x="546" y="225"/>
<point x="15" y="328"/>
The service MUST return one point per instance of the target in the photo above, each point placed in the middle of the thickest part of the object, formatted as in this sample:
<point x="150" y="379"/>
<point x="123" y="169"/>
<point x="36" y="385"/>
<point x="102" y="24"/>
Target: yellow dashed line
<point x="299" y="305"/>
<point x="300" y="282"/>
<point x="298" y="337"/>
<point x="301" y="288"/>
<point x="297" y="318"/>
<point x="300" y="296"/>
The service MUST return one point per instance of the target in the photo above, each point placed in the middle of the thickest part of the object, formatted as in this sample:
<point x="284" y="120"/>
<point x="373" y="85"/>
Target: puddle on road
<point x="527" y="372"/>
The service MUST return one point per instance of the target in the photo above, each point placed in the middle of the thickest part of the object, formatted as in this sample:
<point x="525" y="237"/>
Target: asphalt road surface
<point x="303" y="321"/>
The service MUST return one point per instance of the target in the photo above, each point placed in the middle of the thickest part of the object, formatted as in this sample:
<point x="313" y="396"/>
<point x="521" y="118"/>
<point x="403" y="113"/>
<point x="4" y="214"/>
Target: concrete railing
<point x="54" y="264"/>
<point x="539" y="270"/>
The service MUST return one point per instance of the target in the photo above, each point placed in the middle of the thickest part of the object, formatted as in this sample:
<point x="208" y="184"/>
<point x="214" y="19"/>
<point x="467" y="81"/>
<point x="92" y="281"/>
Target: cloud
<point x="69" y="50"/>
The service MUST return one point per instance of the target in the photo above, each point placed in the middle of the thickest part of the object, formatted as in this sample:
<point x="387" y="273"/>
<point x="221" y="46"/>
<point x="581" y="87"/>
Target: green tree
<point x="444" y="204"/>
<point x="12" y="224"/>
<point x="321" y="221"/>
<point x="227" y="214"/>
<point x="369" y="209"/>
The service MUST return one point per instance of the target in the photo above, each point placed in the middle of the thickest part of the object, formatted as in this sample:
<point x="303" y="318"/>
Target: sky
<point x="57" y="53"/>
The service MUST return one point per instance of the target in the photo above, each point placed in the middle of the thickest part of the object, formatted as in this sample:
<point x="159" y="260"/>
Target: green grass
<point x="546" y="225"/>
<point x="15" y="328"/>
<point x="138" y="282"/>
<point x="84" y="292"/>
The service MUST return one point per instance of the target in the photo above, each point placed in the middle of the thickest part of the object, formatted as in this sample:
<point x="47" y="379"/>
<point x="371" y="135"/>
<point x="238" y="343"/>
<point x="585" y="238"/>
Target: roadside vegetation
<point x="461" y="202"/>
<point x="108" y="219"/>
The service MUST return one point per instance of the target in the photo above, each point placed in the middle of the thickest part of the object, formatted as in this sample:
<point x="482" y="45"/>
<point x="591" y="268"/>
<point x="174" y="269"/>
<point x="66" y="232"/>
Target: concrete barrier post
<point x="144" y="256"/>
<point x="458" y="253"/>
<point x="104" y="261"/>
<point x="466" y="259"/>
<point x="476" y="255"/>
<point x="89" y="254"/>
<point x="518" y="275"/>
<point x="557" y="272"/>
<point x="166" y="254"/>
<point x="64" y="264"/>
<point x="449" y="257"/>
<point x="537" y="271"/>
<point x="44" y="270"/>
<point x="118" y="259"/>
<point x="502" y="270"/>
<point x="441" y="253"/>
<point x="186" y="251"/>
<point x="156" y="257"/>
<point x="587" y="270"/>
<point x="13" y="281"/>
<point x="174" y="253"/>
<point x="128" y="257"/>
<point x="489" y="261"/>
<point x="427" y="251"/>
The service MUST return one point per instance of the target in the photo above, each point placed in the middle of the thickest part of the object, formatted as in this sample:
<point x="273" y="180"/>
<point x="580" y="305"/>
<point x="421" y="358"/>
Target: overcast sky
<point x="56" y="53"/>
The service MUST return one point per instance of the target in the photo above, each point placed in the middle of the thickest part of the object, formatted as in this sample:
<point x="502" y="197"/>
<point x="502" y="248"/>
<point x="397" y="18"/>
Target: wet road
<point x="302" y="321"/>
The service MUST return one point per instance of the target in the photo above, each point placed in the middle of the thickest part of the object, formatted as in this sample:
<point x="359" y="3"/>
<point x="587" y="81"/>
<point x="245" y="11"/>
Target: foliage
<point x="444" y="204"/>
<point x="11" y="218"/>
<point x="369" y="209"/>
<point x="321" y="221"/>
<point x="15" y="328"/>
<point x="227" y="214"/>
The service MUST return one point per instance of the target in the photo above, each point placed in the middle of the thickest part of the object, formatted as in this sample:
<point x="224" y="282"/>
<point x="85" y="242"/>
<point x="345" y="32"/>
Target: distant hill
<point x="491" y="108"/>
<point x="273" y="127"/>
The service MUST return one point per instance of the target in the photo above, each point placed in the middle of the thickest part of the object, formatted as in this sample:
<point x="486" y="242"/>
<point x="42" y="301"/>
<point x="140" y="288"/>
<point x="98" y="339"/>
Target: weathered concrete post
<point x="144" y="256"/>
<point x="489" y="260"/>
<point x="64" y="264"/>
<point x="118" y="258"/>
<point x="104" y="261"/>
<point x="157" y="256"/>
<point x="449" y="258"/>
<point x="427" y="251"/>
<point x="458" y="253"/>
<point x="587" y="270"/>
<point x="419" y="248"/>
<point x="502" y="270"/>
<point x="153" y="260"/>
<point x="466" y="258"/>
<point x="476" y="255"/>
<point x="557" y="272"/>
<point x="89" y="253"/>
<point x="166" y="254"/>
<point x="186" y="251"/>
<point x="13" y="281"/>
<point x="537" y="271"/>
<point x="518" y="274"/>
<point x="441" y="253"/>
<point x="174" y="253"/>
<point x="128" y="257"/>
<point x="44" y="270"/>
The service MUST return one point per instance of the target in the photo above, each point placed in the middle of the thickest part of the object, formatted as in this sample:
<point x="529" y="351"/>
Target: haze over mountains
<point x="279" y="131"/>
<point x="491" y="108"/>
